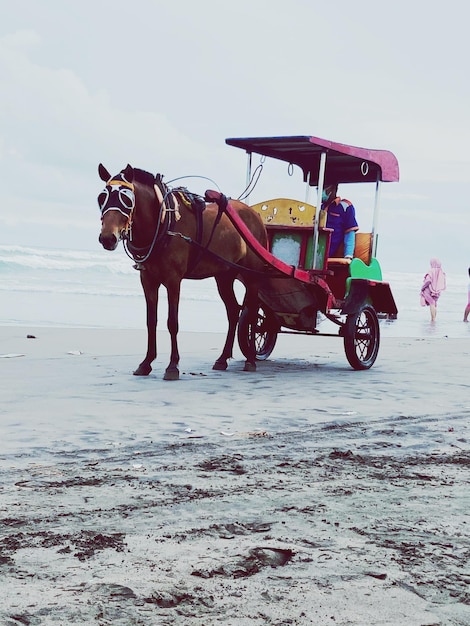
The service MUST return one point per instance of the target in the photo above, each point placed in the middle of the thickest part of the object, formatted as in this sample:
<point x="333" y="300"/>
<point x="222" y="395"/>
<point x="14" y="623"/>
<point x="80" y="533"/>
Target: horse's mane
<point x="141" y="176"/>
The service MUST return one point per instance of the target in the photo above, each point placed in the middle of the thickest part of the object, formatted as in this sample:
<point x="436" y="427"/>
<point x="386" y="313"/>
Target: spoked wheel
<point x="266" y="330"/>
<point x="362" y="338"/>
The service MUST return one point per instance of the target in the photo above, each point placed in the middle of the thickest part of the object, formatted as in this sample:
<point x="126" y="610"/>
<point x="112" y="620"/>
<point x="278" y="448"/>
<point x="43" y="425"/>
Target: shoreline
<point x="303" y="493"/>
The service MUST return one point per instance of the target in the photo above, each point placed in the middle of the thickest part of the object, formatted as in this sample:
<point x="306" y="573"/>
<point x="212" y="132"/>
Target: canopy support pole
<point x="321" y="180"/>
<point x="378" y="189"/>
<point x="248" y="173"/>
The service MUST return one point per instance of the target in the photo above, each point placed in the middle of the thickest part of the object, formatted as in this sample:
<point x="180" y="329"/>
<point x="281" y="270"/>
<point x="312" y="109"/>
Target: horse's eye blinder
<point x="124" y="202"/>
<point x="126" y="197"/>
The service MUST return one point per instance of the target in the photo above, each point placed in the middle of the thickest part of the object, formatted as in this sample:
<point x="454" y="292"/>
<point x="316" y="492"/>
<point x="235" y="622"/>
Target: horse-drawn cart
<point x="280" y="249"/>
<point x="302" y="285"/>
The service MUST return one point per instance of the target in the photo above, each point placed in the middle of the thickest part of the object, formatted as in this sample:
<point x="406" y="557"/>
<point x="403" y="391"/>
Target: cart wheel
<point x="265" y="333"/>
<point x="362" y="338"/>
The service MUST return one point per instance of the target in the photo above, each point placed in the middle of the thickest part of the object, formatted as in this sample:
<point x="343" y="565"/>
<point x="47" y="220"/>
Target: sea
<point x="42" y="287"/>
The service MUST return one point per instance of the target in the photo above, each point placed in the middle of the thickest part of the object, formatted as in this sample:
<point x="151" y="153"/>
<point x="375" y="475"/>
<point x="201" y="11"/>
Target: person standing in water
<point x="467" y="308"/>
<point x="433" y="284"/>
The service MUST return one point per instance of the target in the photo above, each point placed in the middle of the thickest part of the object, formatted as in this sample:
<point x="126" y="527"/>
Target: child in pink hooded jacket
<point x="433" y="284"/>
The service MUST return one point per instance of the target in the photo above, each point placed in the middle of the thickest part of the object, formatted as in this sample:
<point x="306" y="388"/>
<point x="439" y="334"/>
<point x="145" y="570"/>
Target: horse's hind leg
<point x="226" y="292"/>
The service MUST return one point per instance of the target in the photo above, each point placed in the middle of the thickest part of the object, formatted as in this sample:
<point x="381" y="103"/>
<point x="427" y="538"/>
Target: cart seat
<point x="362" y="250"/>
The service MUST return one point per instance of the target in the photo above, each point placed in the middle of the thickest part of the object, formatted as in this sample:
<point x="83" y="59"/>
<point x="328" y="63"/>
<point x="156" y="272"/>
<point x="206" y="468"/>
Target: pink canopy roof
<point x="344" y="164"/>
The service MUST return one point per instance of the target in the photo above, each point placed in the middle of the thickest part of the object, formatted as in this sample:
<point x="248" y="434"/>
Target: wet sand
<point x="304" y="493"/>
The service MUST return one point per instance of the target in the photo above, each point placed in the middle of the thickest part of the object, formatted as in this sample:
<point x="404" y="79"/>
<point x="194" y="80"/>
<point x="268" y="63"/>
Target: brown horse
<point x="174" y="234"/>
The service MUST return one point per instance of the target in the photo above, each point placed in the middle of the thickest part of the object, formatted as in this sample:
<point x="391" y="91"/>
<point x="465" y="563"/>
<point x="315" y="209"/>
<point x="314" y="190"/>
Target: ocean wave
<point x="74" y="289"/>
<point x="18" y="258"/>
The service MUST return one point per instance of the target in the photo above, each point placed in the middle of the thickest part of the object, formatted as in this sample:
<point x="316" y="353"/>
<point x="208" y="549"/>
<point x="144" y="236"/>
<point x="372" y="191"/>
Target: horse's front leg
<point x="151" y="301"/>
<point x="226" y="292"/>
<point x="172" y="371"/>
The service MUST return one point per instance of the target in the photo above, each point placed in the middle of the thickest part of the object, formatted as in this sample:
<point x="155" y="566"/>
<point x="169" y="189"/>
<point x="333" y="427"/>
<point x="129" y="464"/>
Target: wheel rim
<point x="265" y="337"/>
<point x="364" y="340"/>
<point x="261" y="332"/>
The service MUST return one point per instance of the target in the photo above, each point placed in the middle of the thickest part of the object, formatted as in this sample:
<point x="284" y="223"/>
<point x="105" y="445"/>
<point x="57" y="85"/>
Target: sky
<point x="162" y="84"/>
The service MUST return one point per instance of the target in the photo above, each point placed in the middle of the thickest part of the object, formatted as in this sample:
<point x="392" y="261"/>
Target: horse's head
<point x="117" y="202"/>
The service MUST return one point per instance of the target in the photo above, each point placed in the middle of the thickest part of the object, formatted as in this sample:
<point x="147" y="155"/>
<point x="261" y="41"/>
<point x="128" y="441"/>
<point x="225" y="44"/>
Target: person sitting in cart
<point x="341" y="217"/>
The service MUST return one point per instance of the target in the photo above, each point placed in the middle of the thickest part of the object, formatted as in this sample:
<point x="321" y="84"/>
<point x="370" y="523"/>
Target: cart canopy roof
<point x="344" y="164"/>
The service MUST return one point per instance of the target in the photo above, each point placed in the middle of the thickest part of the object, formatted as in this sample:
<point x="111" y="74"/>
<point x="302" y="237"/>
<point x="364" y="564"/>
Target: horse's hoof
<point x="220" y="365"/>
<point x="142" y="370"/>
<point x="249" y="367"/>
<point x="171" y="374"/>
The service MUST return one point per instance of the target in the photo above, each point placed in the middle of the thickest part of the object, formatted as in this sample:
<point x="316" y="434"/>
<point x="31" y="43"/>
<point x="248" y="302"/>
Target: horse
<point x="173" y="234"/>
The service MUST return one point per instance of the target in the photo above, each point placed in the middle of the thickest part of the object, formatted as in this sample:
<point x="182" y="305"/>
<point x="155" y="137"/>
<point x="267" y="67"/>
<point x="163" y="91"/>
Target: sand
<point x="304" y="493"/>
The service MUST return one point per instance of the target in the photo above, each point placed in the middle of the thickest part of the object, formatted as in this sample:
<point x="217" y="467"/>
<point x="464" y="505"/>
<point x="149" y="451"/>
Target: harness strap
<point x="193" y="257"/>
<point x="126" y="214"/>
<point x="196" y="205"/>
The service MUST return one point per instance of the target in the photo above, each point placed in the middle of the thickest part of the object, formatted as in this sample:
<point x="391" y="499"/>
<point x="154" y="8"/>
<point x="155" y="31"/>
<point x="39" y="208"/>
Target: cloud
<point x="58" y="131"/>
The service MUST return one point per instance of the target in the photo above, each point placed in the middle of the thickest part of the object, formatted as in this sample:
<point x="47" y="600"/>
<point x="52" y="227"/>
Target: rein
<point x="236" y="266"/>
